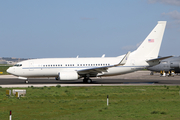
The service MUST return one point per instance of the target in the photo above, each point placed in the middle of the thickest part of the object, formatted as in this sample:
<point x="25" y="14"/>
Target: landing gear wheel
<point x="152" y="73"/>
<point x="89" y="81"/>
<point x="26" y="81"/>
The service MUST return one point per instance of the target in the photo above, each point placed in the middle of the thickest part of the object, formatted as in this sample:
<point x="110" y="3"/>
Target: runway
<point x="135" y="78"/>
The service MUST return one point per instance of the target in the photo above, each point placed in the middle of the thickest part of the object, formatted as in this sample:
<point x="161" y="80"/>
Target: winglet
<point x="124" y="60"/>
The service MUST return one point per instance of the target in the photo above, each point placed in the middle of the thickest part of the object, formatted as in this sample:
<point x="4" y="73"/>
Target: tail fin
<point x="151" y="45"/>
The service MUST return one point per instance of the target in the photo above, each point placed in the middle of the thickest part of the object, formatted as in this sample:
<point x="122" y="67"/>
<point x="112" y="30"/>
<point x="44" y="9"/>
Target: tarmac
<point x="136" y="78"/>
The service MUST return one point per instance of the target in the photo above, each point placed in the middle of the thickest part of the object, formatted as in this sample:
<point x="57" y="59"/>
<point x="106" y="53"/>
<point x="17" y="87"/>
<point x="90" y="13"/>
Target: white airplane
<point x="76" y="68"/>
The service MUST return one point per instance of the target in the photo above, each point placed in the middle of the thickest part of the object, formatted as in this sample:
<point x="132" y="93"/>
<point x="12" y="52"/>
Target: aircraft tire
<point x="89" y="81"/>
<point x="152" y="73"/>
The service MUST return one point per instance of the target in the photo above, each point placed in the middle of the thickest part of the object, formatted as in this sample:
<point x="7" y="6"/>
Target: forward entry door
<point x="31" y="66"/>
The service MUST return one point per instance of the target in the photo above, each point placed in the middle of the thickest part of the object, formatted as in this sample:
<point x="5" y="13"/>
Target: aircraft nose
<point x="9" y="70"/>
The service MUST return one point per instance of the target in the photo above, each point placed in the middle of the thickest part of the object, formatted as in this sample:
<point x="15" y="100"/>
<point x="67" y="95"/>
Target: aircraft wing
<point x="96" y="70"/>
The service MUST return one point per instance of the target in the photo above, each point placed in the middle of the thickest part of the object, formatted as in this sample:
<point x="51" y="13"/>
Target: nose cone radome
<point x="9" y="70"/>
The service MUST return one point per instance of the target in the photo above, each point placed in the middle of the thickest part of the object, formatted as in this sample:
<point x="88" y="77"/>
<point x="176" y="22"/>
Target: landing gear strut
<point x="87" y="80"/>
<point x="152" y="73"/>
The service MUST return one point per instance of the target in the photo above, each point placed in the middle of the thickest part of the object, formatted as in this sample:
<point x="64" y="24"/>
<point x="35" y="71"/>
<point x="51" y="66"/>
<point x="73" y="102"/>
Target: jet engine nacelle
<point x="67" y="75"/>
<point x="175" y="65"/>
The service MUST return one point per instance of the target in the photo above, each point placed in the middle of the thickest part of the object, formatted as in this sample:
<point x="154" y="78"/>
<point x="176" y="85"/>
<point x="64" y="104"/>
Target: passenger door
<point x="31" y="66"/>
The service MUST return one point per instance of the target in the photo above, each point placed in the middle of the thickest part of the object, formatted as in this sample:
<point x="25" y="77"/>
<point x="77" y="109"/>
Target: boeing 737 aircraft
<point x="76" y="68"/>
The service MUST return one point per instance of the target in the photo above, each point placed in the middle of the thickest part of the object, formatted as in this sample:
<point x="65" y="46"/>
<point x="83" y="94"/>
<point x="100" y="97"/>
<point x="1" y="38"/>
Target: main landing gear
<point x="26" y="81"/>
<point x="87" y="80"/>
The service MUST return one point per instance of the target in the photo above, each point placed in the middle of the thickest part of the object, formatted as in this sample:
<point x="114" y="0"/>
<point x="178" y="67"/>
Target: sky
<point x="84" y="28"/>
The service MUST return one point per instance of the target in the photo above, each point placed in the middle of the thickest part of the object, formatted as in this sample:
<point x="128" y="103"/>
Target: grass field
<point x="87" y="103"/>
<point x="3" y="69"/>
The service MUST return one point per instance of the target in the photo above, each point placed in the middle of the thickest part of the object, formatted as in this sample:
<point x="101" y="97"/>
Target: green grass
<point x="87" y="103"/>
<point x="3" y="69"/>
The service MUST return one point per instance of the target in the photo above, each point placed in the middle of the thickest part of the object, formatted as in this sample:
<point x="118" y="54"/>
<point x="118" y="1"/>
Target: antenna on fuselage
<point x="103" y="55"/>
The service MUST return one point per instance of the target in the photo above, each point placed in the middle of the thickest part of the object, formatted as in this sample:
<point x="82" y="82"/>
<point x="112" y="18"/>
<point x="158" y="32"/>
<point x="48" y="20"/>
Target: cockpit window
<point x="18" y="65"/>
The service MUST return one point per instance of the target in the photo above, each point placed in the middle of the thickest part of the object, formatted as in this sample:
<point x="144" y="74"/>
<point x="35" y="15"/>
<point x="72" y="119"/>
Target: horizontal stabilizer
<point x="156" y="61"/>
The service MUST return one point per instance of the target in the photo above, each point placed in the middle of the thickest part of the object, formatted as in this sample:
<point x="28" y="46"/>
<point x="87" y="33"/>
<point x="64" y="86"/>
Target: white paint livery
<point x="75" y="68"/>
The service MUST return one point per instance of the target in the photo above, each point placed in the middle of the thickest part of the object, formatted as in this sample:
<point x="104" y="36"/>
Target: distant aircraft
<point x="76" y="68"/>
<point x="167" y="66"/>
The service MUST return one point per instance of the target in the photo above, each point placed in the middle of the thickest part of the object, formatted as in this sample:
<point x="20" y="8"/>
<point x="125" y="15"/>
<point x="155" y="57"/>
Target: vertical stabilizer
<point x="151" y="45"/>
